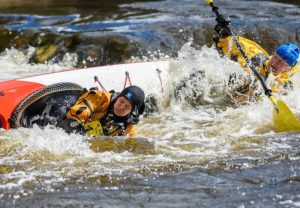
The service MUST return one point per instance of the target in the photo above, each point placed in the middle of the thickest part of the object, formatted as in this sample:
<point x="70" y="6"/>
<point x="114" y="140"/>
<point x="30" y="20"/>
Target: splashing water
<point x="186" y="137"/>
<point x="15" y="64"/>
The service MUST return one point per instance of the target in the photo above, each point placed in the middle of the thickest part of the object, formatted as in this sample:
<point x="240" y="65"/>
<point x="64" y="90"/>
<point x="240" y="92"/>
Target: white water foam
<point x="15" y="64"/>
<point x="181" y="133"/>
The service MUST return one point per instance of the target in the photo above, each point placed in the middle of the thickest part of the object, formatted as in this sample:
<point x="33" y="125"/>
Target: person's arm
<point x="223" y="40"/>
<point x="89" y="103"/>
<point x="221" y="31"/>
<point x="82" y="111"/>
<point x="257" y="55"/>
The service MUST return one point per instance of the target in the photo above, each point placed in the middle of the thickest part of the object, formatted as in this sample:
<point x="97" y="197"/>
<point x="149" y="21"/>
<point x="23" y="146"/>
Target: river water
<point x="199" y="155"/>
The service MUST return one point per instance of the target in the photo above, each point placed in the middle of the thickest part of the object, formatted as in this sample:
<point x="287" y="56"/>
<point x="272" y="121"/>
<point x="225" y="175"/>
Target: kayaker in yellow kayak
<point x="101" y="113"/>
<point x="283" y="64"/>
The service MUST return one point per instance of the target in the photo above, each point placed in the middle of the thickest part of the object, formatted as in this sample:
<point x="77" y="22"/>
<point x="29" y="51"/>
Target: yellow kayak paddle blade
<point x="284" y="119"/>
<point x="208" y="1"/>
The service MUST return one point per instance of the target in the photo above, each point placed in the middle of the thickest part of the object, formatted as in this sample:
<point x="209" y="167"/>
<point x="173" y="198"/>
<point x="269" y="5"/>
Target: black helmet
<point x="136" y="96"/>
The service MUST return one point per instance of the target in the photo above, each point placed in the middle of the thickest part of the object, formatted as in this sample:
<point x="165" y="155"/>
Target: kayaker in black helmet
<point x="101" y="113"/>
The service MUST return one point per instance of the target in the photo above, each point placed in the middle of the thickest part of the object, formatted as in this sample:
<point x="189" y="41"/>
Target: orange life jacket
<point x="92" y="106"/>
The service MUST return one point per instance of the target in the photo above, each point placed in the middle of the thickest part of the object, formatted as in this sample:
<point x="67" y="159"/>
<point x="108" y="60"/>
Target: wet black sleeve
<point x="259" y="60"/>
<point x="71" y="126"/>
<point x="222" y="31"/>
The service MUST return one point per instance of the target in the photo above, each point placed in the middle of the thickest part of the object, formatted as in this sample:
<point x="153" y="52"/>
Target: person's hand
<point x="70" y="125"/>
<point x="222" y="27"/>
<point x="222" y="21"/>
<point x="222" y="31"/>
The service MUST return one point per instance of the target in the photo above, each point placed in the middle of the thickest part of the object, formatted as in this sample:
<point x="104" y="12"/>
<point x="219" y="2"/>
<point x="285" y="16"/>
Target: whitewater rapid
<point x="180" y="137"/>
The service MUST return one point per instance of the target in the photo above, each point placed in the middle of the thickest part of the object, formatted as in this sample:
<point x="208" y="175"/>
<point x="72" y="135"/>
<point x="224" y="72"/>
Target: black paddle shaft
<point x="268" y="92"/>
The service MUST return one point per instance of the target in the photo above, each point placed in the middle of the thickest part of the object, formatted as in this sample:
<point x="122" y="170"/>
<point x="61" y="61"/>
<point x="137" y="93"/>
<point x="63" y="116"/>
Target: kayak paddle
<point x="283" y="117"/>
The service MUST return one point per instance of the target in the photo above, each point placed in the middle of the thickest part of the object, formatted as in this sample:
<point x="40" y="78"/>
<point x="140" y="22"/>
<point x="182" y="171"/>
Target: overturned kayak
<point x="44" y="99"/>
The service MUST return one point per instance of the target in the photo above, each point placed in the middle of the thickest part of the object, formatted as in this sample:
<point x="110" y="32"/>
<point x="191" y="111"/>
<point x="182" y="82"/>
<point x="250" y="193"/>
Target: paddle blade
<point x="284" y="119"/>
<point x="208" y="1"/>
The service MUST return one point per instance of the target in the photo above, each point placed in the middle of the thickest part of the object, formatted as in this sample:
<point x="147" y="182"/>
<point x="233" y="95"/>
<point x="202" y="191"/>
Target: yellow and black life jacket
<point x="93" y="110"/>
<point x="256" y="54"/>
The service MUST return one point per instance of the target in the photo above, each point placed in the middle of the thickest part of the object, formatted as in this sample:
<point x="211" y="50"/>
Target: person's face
<point x="122" y="107"/>
<point x="278" y="65"/>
